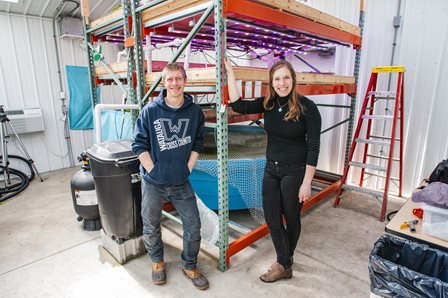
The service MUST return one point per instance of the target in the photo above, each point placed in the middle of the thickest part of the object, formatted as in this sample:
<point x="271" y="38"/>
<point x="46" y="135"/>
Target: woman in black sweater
<point x="292" y="123"/>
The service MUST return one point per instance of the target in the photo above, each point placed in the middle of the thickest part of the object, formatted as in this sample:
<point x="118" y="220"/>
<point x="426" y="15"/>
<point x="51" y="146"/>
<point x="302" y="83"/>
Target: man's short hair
<point x="173" y="67"/>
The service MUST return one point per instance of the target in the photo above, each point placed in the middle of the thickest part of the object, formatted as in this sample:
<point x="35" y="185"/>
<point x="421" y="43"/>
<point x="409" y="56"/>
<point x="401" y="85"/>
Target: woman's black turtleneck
<point x="288" y="141"/>
<point x="282" y="99"/>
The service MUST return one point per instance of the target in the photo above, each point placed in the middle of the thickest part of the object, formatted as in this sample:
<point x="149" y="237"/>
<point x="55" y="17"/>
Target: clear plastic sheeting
<point x="209" y="224"/>
<point x="402" y="268"/>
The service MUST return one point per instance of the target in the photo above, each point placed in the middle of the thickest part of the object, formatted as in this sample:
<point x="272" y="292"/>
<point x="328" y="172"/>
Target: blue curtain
<point x="80" y="110"/>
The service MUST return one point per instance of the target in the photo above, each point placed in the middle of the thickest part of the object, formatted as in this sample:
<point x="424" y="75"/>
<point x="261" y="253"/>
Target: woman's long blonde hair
<point x="294" y="101"/>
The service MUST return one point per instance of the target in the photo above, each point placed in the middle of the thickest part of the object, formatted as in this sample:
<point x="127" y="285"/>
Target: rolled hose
<point x="8" y="192"/>
<point x="28" y="162"/>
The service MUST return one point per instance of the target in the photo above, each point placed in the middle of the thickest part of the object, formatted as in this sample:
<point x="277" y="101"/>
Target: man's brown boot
<point x="198" y="279"/>
<point x="276" y="272"/>
<point x="158" y="273"/>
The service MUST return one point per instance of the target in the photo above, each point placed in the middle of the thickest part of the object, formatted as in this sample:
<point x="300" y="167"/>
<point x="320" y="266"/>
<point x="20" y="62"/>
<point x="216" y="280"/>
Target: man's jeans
<point x="184" y="200"/>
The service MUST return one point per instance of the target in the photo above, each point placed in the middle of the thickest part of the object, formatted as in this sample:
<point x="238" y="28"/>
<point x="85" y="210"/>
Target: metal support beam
<point x="307" y="64"/>
<point x="180" y="50"/>
<point x="148" y="5"/>
<point x="107" y="67"/>
<point x="222" y="137"/>
<point x="334" y="126"/>
<point x="247" y="9"/>
<point x="263" y="230"/>
<point x="138" y="50"/>
<point x="353" y="97"/>
<point x="127" y="11"/>
<point x="116" y="24"/>
<point x="332" y="106"/>
<point x="90" y="66"/>
<point x="172" y="217"/>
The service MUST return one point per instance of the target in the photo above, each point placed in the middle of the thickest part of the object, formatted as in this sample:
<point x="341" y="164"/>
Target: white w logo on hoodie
<point x="171" y="131"/>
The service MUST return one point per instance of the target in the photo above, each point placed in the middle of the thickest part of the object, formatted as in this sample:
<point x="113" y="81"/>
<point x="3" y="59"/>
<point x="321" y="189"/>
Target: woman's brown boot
<point x="276" y="272"/>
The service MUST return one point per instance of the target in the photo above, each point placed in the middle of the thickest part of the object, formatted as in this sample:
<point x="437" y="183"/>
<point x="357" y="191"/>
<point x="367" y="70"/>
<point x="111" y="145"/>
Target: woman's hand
<point x="231" y="83"/>
<point x="304" y="192"/>
<point x="229" y="68"/>
<point x="305" y="188"/>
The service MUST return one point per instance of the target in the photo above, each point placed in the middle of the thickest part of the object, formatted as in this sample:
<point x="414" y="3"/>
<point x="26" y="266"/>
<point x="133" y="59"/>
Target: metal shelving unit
<point x="224" y="29"/>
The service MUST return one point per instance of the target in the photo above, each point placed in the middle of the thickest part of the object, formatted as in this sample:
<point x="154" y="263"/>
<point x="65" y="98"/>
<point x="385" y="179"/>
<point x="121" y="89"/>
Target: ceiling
<point x="268" y="37"/>
<point x="47" y="8"/>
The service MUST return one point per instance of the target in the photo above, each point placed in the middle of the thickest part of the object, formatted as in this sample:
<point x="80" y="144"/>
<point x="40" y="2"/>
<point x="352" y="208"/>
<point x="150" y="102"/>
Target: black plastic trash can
<point x="115" y="170"/>
<point x="402" y="268"/>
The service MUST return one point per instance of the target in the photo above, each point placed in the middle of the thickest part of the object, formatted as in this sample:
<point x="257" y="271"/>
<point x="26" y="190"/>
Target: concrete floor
<point x="44" y="252"/>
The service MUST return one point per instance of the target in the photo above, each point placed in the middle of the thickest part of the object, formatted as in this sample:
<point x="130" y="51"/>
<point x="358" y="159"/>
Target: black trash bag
<point x="440" y="173"/>
<point x="402" y="268"/>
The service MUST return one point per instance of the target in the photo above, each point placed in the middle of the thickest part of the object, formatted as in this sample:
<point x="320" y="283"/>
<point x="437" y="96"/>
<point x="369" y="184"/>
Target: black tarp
<point x="402" y="268"/>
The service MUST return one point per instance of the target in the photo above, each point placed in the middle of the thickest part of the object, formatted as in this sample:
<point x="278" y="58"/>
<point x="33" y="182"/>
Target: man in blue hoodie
<point x="168" y="138"/>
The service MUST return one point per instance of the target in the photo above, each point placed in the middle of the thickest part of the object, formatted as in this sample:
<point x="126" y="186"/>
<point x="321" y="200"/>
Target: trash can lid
<point x="112" y="150"/>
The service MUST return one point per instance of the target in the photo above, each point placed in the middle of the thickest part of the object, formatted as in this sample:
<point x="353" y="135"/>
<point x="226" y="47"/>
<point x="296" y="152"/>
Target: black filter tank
<point x="84" y="196"/>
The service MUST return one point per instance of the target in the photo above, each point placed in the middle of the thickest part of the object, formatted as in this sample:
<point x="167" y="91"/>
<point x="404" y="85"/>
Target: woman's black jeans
<point x="281" y="184"/>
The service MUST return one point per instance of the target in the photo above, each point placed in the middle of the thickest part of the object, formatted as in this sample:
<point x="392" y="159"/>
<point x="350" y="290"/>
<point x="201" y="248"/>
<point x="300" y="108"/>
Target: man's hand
<point x="192" y="160"/>
<point x="146" y="161"/>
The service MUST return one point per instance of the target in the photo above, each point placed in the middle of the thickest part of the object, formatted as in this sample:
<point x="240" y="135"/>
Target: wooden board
<point x="207" y="76"/>
<point x="290" y="6"/>
<point x="157" y="65"/>
<point x="112" y="15"/>
<point x="211" y="113"/>
<point x="169" y="7"/>
<point x="118" y="68"/>
<point x="300" y="9"/>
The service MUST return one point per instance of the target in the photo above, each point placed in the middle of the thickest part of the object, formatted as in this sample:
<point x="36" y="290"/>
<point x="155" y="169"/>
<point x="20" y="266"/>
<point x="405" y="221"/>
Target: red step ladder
<point x="376" y="168"/>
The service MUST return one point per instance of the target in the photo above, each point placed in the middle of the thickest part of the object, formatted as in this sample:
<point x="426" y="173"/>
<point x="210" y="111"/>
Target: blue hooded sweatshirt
<point x="169" y="135"/>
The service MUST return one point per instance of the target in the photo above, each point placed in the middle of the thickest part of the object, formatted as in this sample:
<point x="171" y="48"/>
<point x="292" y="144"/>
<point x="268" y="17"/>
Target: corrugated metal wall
<point x="28" y="77"/>
<point x="333" y="143"/>
<point x="376" y="50"/>
<point x="422" y="47"/>
<point x="73" y="52"/>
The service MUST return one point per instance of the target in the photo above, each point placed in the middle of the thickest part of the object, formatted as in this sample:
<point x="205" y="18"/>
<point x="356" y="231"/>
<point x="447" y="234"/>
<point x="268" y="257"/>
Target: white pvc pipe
<point x="104" y="106"/>
<point x="187" y="56"/>
<point x="148" y="48"/>
<point x="148" y="54"/>
<point x="121" y="54"/>
<point x="175" y="42"/>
